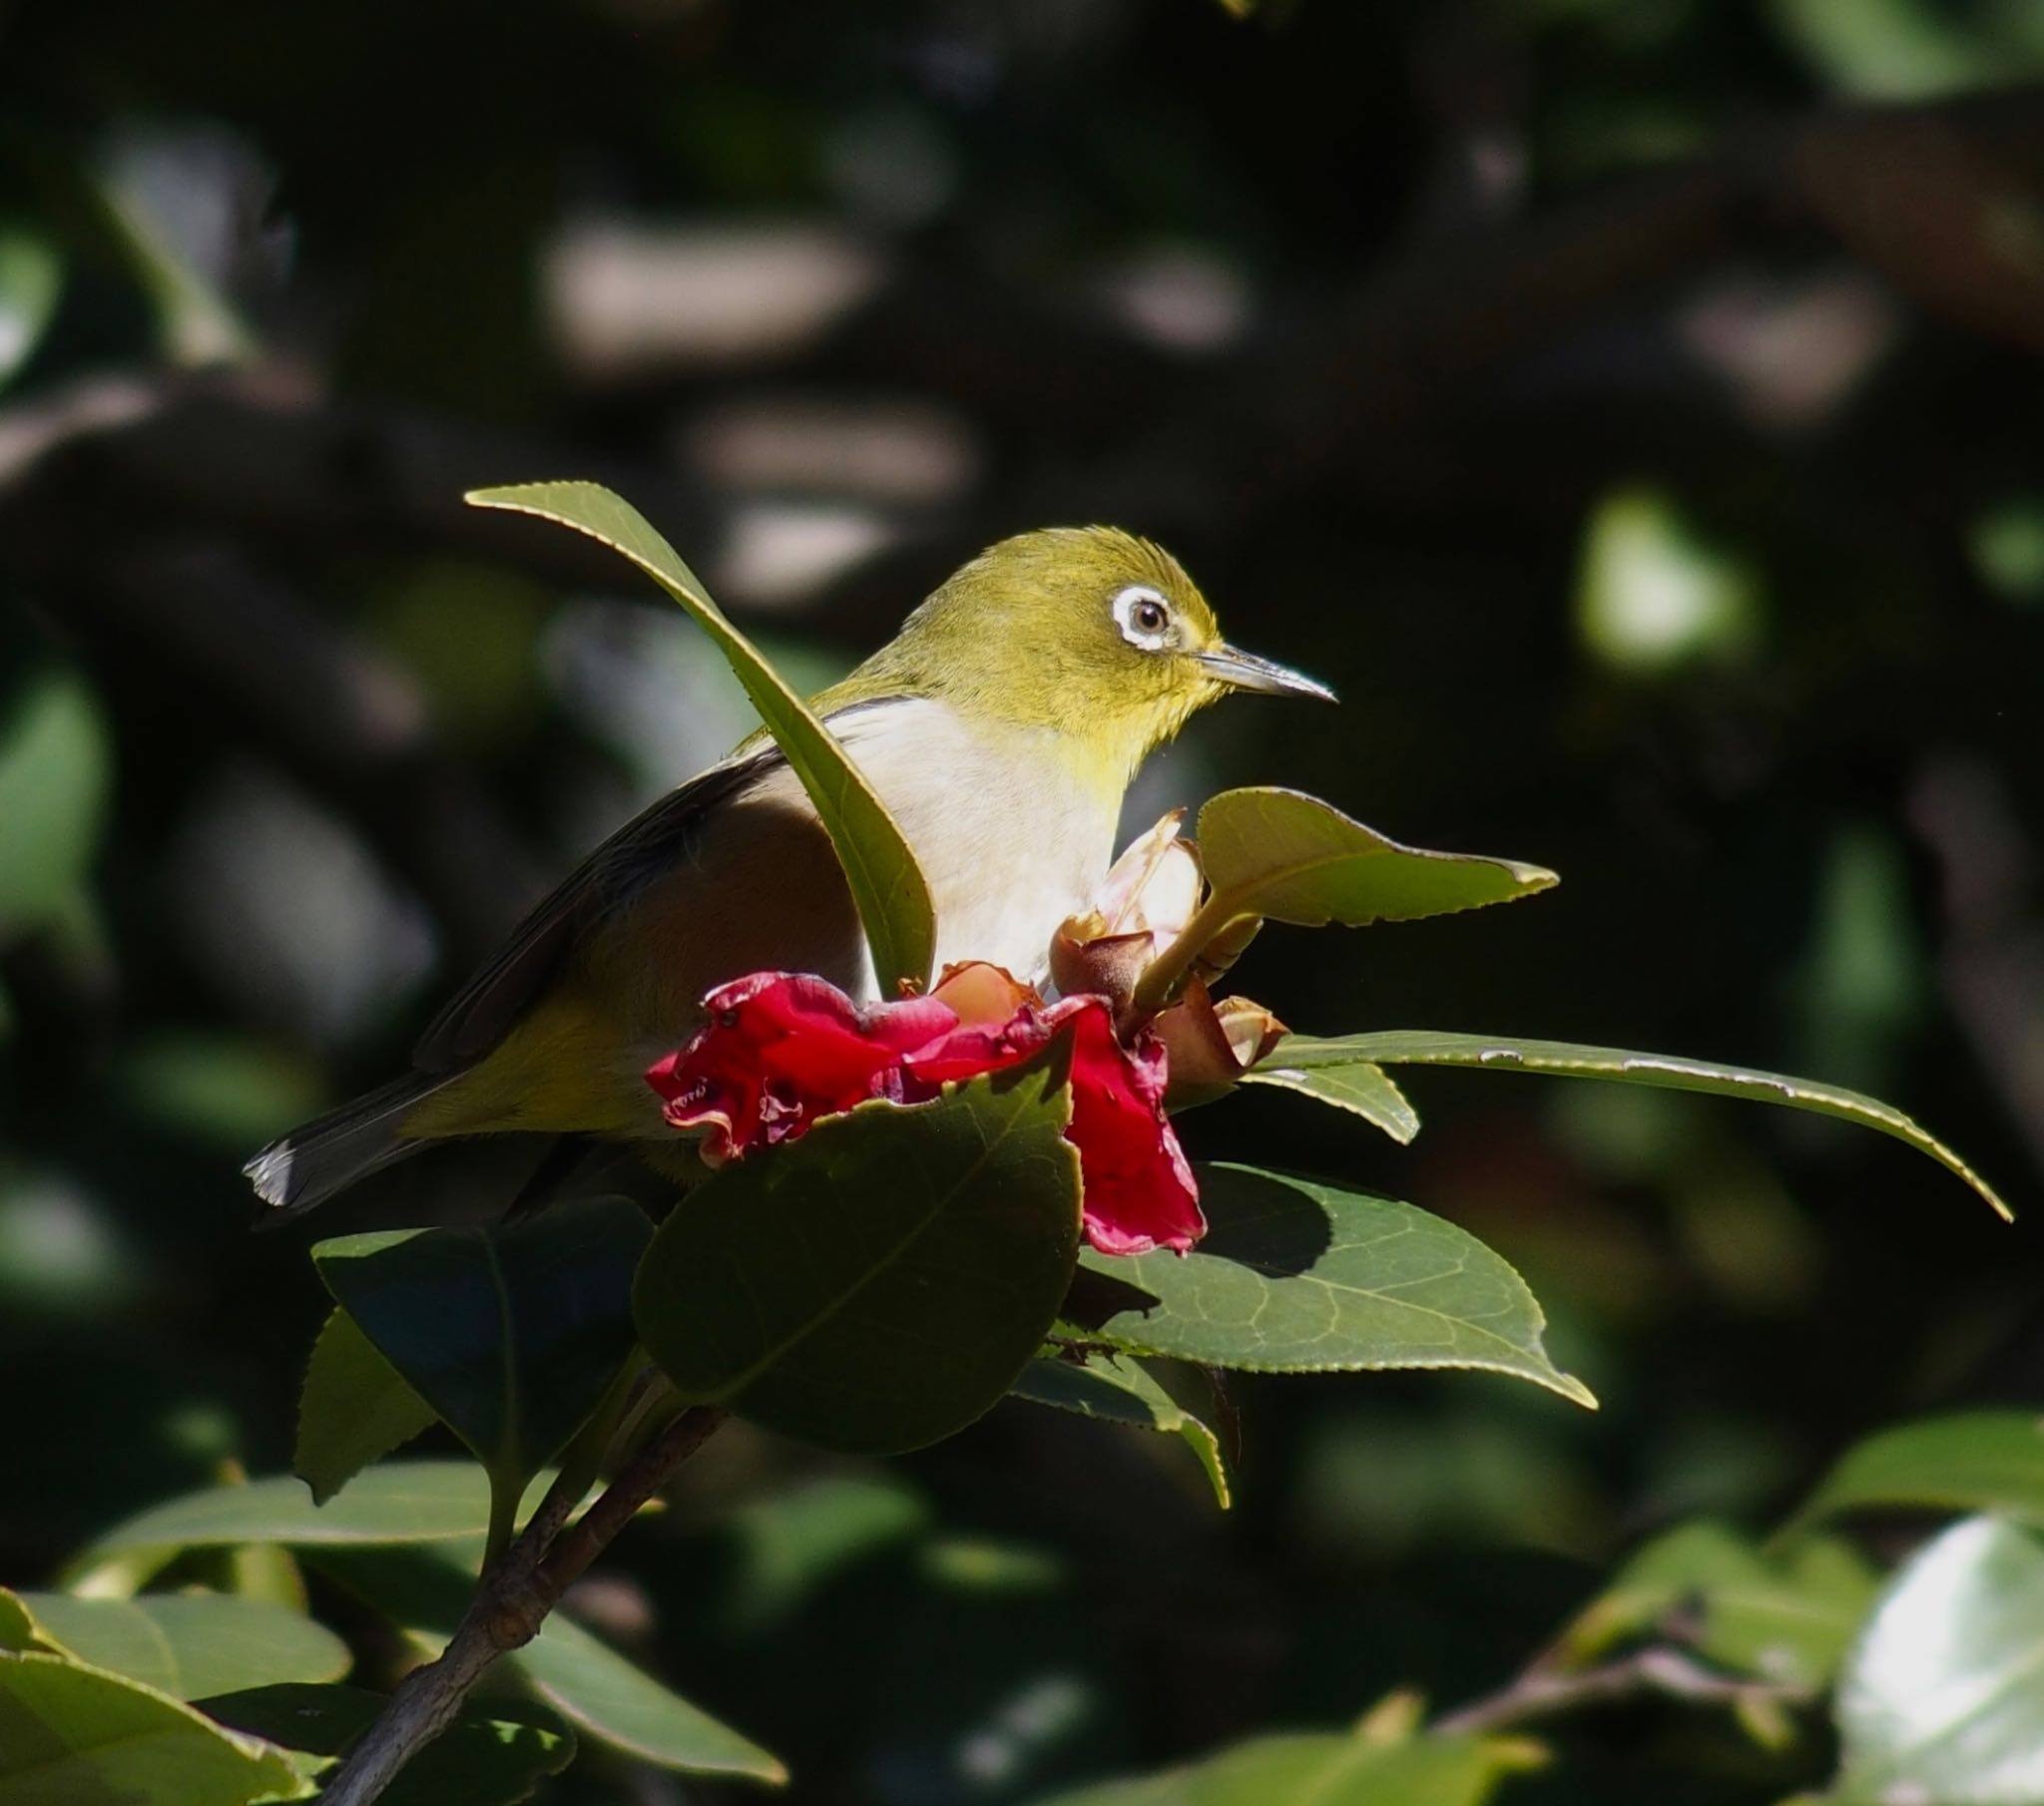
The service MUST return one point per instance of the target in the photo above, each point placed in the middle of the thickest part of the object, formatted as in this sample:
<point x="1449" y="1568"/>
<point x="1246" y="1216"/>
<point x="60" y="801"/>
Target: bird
<point x="1001" y="728"/>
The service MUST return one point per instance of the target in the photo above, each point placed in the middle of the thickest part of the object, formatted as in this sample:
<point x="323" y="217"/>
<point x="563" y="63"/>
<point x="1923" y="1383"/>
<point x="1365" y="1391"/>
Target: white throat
<point x="1009" y="839"/>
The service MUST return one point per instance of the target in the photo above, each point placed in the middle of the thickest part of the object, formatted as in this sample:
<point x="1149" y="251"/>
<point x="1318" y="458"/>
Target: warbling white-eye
<point x="1000" y="727"/>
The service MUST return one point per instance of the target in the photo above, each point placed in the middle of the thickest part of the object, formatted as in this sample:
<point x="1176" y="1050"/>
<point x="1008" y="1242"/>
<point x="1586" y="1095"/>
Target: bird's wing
<point x="479" y="1015"/>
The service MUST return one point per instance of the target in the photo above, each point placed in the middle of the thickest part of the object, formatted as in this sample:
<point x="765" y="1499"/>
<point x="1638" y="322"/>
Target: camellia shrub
<point x="906" y="1214"/>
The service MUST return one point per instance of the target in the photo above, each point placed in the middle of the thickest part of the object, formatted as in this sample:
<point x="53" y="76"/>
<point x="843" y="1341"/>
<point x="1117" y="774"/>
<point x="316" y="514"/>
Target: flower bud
<point x="1211" y="1044"/>
<point x="1144" y="905"/>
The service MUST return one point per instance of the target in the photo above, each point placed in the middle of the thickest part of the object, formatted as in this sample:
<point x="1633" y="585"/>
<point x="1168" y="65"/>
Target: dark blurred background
<point x="1632" y="406"/>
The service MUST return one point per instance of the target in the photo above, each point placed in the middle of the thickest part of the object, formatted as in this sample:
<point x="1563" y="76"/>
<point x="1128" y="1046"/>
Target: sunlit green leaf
<point x="31" y="276"/>
<point x="2006" y="541"/>
<point x="879" y="1283"/>
<point x="1655" y="593"/>
<point x="879" y="866"/>
<point x="189" y="1644"/>
<point x="196" y="323"/>
<point x="511" y="1332"/>
<point x="226" y="1090"/>
<point x="1289" y="857"/>
<point x="17" y="1629"/>
<point x="1891" y="49"/>
<point x="1364" y="1090"/>
<point x="354" y="1409"/>
<point x="1114" y="1389"/>
<point x="492" y="1755"/>
<point x="1570" y="1060"/>
<point x="71" y="1735"/>
<point x="393" y="1502"/>
<point x="1299" y="1276"/>
<point x="1784" y="1616"/>
<point x="55" y="772"/>
<point x="1973" y="1460"/>
<point x="1325" y="1769"/>
<point x="1941" y="1700"/>
<point x="426" y="1593"/>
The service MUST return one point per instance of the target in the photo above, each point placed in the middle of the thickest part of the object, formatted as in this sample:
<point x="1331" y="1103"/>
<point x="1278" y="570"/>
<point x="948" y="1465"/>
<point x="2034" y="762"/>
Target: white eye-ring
<point x="1143" y="615"/>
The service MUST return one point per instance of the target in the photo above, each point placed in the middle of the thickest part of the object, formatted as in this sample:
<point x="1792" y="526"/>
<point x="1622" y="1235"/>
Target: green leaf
<point x="397" y="1501"/>
<point x="1325" y="1769"/>
<point x="1284" y="856"/>
<point x="511" y="1332"/>
<point x="1299" y="1276"/>
<point x="73" y="1736"/>
<point x="879" y="1283"/>
<point x="1569" y="1060"/>
<point x="1784" y="1617"/>
<point x="1113" y="1388"/>
<point x="1368" y="1091"/>
<point x="56" y="771"/>
<point x="17" y="1629"/>
<point x="794" y="1543"/>
<point x="189" y="1644"/>
<point x="426" y="1591"/>
<point x="195" y="324"/>
<point x="1941" y="1700"/>
<point x="886" y="884"/>
<point x="31" y="277"/>
<point x="354" y="1408"/>
<point x="1655" y="593"/>
<point x="1973" y="1460"/>
<point x="492" y="1755"/>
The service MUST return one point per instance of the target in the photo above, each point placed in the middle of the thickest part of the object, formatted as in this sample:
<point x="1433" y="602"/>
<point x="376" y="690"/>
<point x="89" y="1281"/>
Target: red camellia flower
<point x="782" y="1048"/>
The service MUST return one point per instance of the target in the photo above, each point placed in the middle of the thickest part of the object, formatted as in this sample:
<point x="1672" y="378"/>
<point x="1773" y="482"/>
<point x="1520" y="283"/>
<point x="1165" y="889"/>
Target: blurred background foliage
<point x="1630" y="405"/>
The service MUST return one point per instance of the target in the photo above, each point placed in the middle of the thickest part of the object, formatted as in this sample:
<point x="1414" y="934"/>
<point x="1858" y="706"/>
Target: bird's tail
<point x="328" y="1155"/>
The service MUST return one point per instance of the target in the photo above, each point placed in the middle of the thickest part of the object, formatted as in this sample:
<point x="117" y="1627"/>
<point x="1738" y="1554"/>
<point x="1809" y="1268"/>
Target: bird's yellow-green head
<point x="1088" y="632"/>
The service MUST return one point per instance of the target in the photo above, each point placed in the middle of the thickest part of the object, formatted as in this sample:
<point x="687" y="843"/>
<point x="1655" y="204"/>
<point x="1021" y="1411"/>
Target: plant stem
<point x="512" y="1600"/>
<point x="1543" y="1693"/>
<point x="1164" y="975"/>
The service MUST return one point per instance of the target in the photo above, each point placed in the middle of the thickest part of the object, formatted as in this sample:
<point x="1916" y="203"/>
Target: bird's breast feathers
<point x="1011" y="836"/>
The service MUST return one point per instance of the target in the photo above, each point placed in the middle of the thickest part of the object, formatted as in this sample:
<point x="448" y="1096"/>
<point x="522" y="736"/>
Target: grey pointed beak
<point x="1244" y="670"/>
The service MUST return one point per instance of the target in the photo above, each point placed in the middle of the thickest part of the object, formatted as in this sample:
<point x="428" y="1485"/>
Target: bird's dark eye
<point x="1144" y="616"/>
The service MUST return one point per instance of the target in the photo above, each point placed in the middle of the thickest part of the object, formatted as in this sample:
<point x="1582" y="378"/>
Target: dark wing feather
<point x="479" y="1015"/>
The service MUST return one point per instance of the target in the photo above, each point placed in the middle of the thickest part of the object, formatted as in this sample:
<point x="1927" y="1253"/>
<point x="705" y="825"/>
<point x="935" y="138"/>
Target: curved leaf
<point x="879" y="866"/>
<point x="353" y="1408"/>
<point x="56" y="773"/>
<point x="31" y="277"/>
<point x="1113" y="1388"/>
<point x="1297" y="1276"/>
<point x="1784" y="1617"/>
<point x="511" y="1332"/>
<point x="1570" y="1060"/>
<point x="1358" y="1087"/>
<point x="1325" y="1768"/>
<point x="879" y="1283"/>
<point x="492" y="1755"/>
<point x="17" y="1629"/>
<point x="1941" y="1700"/>
<point x="75" y="1734"/>
<point x="426" y="1591"/>
<point x="397" y="1501"/>
<point x="1284" y="856"/>
<point x="1971" y="1461"/>
<point x="189" y="1644"/>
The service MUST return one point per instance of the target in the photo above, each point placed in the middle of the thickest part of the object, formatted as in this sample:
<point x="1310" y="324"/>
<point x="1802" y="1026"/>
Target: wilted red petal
<point x="782" y="1048"/>
<point x="1139" y="1191"/>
